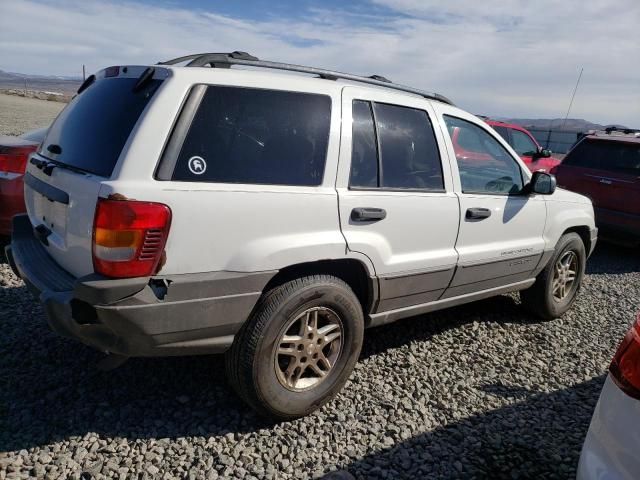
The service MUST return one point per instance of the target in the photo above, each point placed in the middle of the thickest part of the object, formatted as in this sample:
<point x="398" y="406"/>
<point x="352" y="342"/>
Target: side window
<point x="394" y="147"/>
<point x="485" y="165"/>
<point x="617" y="157"/>
<point x="364" y="150"/>
<point x="504" y="133"/>
<point x="522" y="143"/>
<point x="408" y="150"/>
<point x="245" y="135"/>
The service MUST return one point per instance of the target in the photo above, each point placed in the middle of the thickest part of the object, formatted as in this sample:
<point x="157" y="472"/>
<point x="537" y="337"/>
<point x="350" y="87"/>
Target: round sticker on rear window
<point x="197" y="165"/>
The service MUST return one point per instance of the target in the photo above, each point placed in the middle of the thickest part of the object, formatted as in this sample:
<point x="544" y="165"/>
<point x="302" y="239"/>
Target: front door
<point x="501" y="230"/>
<point x="396" y="199"/>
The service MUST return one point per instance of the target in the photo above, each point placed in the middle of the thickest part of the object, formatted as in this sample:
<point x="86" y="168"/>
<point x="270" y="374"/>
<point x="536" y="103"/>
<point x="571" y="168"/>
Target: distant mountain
<point x="572" y="124"/>
<point x="48" y="83"/>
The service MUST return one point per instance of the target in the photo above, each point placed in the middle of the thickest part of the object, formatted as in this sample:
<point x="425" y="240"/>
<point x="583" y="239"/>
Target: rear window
<point x="258" y="136"/>
<point x="92" y="130"/>
<point x="616" y="157"/>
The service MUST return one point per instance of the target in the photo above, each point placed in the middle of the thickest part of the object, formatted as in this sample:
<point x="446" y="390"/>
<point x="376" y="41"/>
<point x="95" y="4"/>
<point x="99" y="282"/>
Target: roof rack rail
<point x="225" y="60"/>
<point x="626" y="131"/>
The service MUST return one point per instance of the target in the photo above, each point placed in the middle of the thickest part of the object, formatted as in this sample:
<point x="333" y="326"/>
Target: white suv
<point x="274" y="216"/>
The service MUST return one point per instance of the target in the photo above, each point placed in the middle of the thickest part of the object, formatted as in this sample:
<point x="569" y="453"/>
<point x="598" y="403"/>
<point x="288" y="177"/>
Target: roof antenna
<point x="572" y="97"/>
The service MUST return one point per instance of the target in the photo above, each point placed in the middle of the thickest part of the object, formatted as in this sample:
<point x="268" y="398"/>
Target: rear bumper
<point x="11" y="199"/>
<point x="157" y="316"/>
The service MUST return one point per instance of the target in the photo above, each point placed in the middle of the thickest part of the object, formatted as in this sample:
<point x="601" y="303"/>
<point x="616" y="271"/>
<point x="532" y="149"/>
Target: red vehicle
<point x="14" y="152"/>
<point x="525" y="145"/>
<point x="605" y="166"/>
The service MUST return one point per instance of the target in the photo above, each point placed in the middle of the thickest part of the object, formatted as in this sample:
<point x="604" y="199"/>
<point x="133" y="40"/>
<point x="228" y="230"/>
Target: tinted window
<point x="522" y="143"/>
<point x="244" y="135"/>
<point x="92" y="130"/>
<point x="364" y="151"/>
<point x="610" y="156"/>
<point x="485" y="166"/>
<point x="503" y="132"/>
<point x="409" y="155"/>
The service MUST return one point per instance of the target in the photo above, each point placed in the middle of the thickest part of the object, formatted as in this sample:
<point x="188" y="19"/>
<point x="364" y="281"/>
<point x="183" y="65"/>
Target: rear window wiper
<point x="47" y="166"/>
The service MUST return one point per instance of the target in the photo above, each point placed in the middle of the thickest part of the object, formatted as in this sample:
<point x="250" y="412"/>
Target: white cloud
<point x="506" y="58"/>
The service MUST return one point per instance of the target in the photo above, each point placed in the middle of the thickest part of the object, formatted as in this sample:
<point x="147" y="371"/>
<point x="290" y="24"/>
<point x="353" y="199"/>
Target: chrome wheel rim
<point x="308" y="348"/>
<point x="564" y="275"/>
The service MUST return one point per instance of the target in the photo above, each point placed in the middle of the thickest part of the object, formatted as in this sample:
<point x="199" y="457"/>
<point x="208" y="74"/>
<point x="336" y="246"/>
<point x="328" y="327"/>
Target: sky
<point x="504" y="58"/>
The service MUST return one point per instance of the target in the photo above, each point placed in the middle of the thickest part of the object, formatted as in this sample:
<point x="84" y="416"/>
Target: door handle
<point x="478" y="213"/>
<point x="368" y="214"/>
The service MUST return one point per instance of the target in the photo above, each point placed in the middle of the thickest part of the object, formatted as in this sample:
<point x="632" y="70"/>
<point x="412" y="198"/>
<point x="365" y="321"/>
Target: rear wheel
<point x="558" y="283"/>
<point x="299" y="347"/>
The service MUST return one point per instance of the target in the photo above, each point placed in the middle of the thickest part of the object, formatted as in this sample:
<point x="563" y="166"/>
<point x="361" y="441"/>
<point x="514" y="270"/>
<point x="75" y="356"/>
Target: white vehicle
<point x="186" y="209"/>
<point x="610" y="450"/>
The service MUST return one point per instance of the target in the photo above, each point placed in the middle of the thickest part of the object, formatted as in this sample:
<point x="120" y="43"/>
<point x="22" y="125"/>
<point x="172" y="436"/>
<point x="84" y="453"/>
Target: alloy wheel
<point x="308" y="348"/>
<point x="564" y="275"/>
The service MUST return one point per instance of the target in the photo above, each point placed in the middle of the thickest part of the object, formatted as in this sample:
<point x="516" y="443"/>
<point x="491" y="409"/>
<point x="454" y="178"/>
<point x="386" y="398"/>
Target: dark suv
<point x="605" y="166"/>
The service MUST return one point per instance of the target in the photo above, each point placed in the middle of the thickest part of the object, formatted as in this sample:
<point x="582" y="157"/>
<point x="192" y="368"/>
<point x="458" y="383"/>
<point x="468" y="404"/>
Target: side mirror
<point x="542" y="183"/>
<point x="542" y="153"/>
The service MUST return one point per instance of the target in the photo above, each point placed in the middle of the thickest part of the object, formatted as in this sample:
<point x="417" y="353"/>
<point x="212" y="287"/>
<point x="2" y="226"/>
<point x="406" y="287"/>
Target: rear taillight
<point x="129" y="237"/>
<point x="14" y="159"/>
<point x="625" y="367"/>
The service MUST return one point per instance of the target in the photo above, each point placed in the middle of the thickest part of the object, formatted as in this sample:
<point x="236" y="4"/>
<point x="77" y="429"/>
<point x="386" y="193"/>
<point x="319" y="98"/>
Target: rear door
<point x="79" y="152"/>
<point x="501" y="230"/>
<point x="396" y="198"/>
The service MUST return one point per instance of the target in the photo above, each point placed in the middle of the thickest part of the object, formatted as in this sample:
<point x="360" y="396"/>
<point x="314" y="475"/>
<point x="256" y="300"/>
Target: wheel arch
<point x="585" y="234"/>
<point x="353" y="272"/>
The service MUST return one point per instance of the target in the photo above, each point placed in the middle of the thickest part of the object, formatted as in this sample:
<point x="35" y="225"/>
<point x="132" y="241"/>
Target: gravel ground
<point x="479" y="391"/>
<point x="19" y="115"/>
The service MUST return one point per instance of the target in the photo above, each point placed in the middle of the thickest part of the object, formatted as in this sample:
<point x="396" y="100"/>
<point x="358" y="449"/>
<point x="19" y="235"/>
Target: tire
<point x="540" y="298"/>
<point x="268" y="380"/>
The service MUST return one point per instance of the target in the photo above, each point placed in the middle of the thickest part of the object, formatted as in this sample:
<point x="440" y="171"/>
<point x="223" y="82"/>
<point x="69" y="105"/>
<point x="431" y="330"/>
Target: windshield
<point x="91" y="131"/>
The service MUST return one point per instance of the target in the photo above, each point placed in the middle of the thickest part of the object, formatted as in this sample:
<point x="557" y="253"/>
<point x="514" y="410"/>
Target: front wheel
<point x="298" y="348"/>
<point x="558" y="283"/>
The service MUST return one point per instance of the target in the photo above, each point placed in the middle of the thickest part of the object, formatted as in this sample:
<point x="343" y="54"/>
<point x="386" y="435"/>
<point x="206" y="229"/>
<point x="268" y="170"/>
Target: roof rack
<point x="626" y="131"/>
<point x="225" y="60"/>
<point x="614" y="132"/>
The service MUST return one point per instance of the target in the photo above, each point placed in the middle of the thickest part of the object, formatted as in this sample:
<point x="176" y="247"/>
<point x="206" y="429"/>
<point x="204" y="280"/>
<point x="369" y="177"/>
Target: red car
<point x="525" y="145"/>
<point x="14" y="152"/>
<point x="605" y="166"/>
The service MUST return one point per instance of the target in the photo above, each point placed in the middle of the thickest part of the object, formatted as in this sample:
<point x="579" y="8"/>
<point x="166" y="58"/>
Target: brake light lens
<point x="129" y="237"/>
<point x="625" y="367"/>
<point x="14" y="159"/>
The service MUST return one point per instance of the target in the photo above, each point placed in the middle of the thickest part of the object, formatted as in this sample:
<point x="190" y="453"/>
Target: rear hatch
<point x="79" y="152"/>
<point x="607" y="171"/>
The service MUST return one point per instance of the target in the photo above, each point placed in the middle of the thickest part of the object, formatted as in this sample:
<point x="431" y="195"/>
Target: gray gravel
<point x="480" y="391"/>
